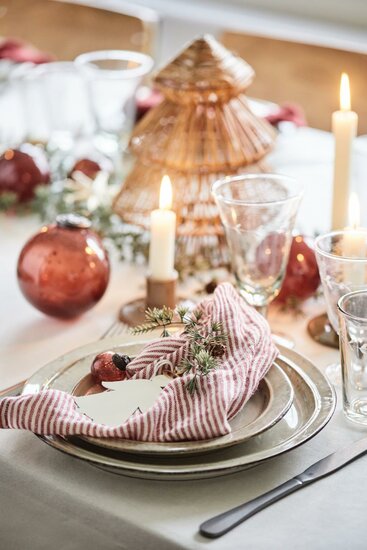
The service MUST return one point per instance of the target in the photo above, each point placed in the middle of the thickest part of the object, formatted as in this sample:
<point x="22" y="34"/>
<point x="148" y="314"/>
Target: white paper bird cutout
<point x="115" y="407"/>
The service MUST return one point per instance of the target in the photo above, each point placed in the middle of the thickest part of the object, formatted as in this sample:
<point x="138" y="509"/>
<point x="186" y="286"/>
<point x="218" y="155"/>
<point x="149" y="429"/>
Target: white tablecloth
<point x="49" y="500"/>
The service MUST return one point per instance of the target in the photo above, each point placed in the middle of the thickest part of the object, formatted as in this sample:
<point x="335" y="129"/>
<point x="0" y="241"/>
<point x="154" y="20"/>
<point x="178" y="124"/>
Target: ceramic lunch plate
<point x="266" y="407"/>
<point x="313" y="406"/>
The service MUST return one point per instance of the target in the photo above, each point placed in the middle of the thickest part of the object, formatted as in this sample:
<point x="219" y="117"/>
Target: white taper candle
<point x="162" y="236"/>
<point x="344" y="124"/>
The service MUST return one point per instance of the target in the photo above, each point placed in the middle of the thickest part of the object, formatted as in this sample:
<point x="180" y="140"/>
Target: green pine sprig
<point x="156" y="318"/>
<point x="8" y="200"/>
<point x="207" y="345"/>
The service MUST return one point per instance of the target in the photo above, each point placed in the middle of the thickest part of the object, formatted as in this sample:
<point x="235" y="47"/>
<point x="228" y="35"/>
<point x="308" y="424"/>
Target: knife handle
<point x="221" y="524"/>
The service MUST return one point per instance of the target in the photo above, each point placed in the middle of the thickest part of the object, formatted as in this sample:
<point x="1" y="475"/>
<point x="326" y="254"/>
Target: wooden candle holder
<point x="159" y="294"/>
<point x="320" y="330"/>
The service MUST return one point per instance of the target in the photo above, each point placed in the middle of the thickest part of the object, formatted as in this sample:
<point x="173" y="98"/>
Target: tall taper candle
<point x="162" y="236"/>
<point x="344" y="124"/>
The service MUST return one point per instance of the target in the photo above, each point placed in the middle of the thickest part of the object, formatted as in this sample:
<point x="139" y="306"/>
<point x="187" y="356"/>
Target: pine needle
<point x="206" y="345"/>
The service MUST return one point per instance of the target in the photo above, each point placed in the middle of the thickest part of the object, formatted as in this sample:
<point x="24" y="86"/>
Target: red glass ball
<point x="64" y="269"/>
<point x="21" y="170"/>
<point x="109" y="366"/>
<point x="87" y="166"/>
<point x="302" y="277"/>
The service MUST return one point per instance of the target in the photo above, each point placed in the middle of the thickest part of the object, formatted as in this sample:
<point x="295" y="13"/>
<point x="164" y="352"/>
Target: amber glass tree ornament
<point x="202" y="130"/>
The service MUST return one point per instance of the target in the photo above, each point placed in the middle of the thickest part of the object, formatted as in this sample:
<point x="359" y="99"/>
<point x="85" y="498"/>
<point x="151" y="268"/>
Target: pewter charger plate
<point x="312" y="408"/>
<point x="266" y="407"/>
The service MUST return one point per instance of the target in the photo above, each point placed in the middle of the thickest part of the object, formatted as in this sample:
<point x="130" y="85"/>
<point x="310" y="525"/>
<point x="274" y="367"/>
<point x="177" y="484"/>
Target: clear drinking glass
<point x="342" y="261"/>
<point x="112" y="77"/>
<point x="352" y="310"/>
<point x="24" y="115"/>
<point x="258" y="212"/>
<point x="63" y="100"/>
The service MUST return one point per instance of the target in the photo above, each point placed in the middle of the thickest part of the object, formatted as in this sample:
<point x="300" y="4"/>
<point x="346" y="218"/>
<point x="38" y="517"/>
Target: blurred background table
<point x="325" y="35"/>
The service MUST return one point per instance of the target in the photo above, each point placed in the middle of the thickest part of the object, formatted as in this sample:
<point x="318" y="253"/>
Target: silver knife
<point x="221" y="524"/>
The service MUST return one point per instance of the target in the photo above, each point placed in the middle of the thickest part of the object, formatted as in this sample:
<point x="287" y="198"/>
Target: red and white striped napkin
<point x="176" y="415"/>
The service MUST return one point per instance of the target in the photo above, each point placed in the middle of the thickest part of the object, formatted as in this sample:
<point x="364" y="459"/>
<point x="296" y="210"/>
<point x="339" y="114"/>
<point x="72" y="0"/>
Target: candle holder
<point x="159" y="294"/>
<point x="320" y="330"/>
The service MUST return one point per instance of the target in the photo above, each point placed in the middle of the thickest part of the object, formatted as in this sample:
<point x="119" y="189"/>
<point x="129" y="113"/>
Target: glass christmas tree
<point x="202" y="130"/>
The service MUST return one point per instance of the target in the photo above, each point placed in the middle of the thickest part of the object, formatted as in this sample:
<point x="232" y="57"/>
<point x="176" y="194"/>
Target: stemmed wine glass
<point x="258" y="212"/>
<point x="342" y="261"/>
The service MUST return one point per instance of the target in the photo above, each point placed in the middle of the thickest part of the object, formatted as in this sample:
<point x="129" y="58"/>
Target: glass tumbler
<point x="352" y="311"/>
<point x="112" y="77"/>
<point x="63" y="99"/>
<point x="342" y="261"/>
<point x="258" y="212"/>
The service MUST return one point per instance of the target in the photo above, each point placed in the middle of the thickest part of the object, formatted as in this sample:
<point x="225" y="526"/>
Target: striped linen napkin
<point x="176" y="415"/>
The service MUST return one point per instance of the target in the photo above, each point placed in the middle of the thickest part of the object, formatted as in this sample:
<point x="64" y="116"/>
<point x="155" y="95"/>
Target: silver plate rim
<point x="277" y="382"/>
<point x="325" y="400"/>
<point x="265" y="421"/>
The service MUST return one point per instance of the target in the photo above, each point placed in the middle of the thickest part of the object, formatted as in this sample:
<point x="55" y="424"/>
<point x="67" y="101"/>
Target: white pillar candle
<point x="354" y="245"/>
<point x="344" y="124"/>
<point x="162" y="236"/>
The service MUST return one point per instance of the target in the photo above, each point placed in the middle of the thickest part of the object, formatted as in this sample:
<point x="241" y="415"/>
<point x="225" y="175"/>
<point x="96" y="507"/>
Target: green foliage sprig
<point x="131" y="242"/>
<point x="8" y="200"/>
<point x="206" y="344"/>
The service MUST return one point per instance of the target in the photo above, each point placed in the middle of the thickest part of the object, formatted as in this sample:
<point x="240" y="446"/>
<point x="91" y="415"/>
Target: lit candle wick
<point x="345" y="104"/>
<point x="165" y="195"/>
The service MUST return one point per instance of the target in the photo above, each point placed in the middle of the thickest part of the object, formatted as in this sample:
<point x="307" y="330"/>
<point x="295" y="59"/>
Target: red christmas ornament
<point x="21" y="170"/>
<point x="87" y="166"/>
<point x="64" y="269"/>
<point x="302" y="277"/>
<point x="110" y="366"/>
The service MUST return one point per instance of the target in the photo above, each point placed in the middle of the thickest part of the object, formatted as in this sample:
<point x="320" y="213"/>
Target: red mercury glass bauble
<point x="302" y="277"/>
<point x="21" y="170"/>
<point x="87" y="166"/>
<point x="64" y="269"/>
<point x="110" y="366"/>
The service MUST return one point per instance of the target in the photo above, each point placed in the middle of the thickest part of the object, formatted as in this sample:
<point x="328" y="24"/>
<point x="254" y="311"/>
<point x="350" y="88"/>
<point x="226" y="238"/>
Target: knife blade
<point x="221" y="524"/>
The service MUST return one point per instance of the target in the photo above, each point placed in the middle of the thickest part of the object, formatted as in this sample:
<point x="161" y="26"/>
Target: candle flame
<point x="345" y="104"/>
<point x="354" y="211"/>
<point x="165" y="195"/>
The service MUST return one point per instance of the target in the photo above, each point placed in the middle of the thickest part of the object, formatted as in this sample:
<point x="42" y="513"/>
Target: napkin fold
<point x="177" y="415"/>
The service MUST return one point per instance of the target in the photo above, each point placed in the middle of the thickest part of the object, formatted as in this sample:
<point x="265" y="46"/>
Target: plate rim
<point x="228" y="466"/>
<point x="172" y="448"/>
<point x="182" y="448"/>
